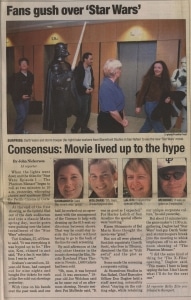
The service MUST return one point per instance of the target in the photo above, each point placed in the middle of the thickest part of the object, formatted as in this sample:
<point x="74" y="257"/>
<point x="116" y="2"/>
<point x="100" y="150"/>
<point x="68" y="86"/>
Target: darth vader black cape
<point x="72" y="109"/>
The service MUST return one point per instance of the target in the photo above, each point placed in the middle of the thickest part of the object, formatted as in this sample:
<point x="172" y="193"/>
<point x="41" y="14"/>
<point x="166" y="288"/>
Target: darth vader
<point x="60" y="102"/>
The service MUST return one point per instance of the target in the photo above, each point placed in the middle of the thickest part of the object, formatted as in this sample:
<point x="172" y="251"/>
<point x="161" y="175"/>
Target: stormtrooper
<point x="179" y="82"/>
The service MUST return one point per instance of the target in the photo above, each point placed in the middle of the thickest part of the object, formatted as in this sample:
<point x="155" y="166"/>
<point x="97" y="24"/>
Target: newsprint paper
<point x="88" y="215"/>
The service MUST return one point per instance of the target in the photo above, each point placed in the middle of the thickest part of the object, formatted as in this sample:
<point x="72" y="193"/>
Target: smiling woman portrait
<point x="137" y="175"/>
<point x="68" y="178"/>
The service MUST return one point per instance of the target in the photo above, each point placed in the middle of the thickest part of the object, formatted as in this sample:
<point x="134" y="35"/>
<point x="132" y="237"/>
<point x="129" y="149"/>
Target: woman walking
<point x="155" y="88"/>
<point x="111" y="118"/>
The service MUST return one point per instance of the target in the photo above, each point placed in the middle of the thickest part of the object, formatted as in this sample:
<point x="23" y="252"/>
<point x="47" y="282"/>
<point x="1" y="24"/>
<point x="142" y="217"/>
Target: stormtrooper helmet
<point x="183" y="63"/>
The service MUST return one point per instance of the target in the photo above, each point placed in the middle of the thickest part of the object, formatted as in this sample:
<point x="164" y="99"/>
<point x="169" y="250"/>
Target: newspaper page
<point x="99" y="208"/>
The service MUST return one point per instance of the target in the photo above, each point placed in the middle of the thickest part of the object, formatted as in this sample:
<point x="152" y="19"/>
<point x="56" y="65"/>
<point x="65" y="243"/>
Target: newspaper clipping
<point x="95" y="155"/>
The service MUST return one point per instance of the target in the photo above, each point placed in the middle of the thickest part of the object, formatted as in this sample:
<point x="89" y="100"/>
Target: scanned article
<point x="95" y="152"/>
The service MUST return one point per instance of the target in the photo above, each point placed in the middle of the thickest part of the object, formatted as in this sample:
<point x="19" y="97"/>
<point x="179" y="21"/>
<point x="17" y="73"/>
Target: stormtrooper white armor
<point x="179" y="82"/>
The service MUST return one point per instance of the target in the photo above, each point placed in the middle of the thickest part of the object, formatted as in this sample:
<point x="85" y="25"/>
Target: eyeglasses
<point x="175" y="175"/>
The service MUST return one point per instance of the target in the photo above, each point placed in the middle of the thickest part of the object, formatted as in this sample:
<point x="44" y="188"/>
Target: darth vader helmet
<point x="61" y="50"/>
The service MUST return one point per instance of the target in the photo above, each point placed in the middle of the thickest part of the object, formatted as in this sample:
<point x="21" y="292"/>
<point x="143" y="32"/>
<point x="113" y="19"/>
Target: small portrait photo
<point x="137" y="178"/>
<point x="103" y="178"/>
<point x="172" y="177"/>
<point x="68" y="179"/>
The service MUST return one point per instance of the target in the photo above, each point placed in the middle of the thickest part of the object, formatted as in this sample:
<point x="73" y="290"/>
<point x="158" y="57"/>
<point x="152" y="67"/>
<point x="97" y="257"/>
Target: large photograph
<point x="80" y="77"/>
<point x="95" y="150"/>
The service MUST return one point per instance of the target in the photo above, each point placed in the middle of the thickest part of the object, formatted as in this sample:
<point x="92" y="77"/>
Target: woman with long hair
<point x="155" y="88"/>
<point x="68" y="178"/>
<point x="137" y="175"/>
